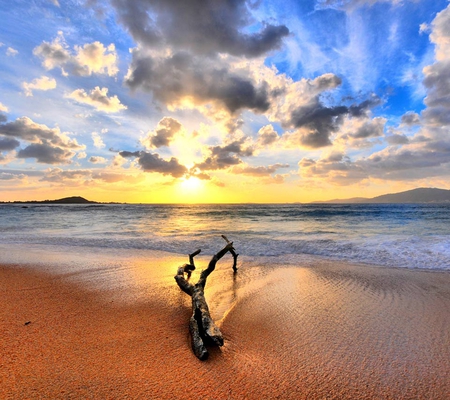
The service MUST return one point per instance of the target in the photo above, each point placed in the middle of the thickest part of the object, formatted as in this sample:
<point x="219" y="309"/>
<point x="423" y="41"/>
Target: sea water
<point x="391" y="235"/>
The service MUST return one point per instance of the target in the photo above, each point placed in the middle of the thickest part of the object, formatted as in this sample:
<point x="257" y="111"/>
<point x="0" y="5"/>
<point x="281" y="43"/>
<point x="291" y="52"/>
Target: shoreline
<point x="331" y="330"/>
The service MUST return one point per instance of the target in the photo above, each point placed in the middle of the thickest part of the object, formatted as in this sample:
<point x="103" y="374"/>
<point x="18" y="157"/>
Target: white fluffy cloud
<point x="11" y="52"/>
<point x="98" y="98"/>
<point x="91" y="58"/>
<point x="42" y="83"/>
<point x="98" y="160"/>
<point x="98" y="140"/>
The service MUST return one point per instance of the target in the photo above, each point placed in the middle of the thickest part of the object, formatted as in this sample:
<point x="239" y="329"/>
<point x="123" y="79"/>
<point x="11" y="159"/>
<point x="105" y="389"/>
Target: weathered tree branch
<point x="201" y="325"/>
<point x="233" y="253"/>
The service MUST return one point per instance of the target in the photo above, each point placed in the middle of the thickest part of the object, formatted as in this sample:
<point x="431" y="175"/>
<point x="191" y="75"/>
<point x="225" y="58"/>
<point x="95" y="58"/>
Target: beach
<point x="308" y="329"/>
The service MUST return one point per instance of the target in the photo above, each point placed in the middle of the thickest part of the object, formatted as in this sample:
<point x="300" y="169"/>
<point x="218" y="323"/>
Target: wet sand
<point x="318" y="331"/>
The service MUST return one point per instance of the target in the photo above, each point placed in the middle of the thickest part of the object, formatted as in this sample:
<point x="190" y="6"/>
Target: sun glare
<point x="191" y="183"/>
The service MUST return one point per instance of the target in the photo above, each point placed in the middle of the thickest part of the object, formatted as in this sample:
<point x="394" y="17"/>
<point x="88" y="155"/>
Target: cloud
<point x="3" y="108"/>
<point x="10" y="52"/>
<point x="370" y="129"/>
<point x="359" y="132"/>
<point x="154" y="163"/>
<point x="318" y="123"/>
<point x="259" y="171"/>
<point x="99" y="99"/>
<point x="221" y="157"/>
<point x="75" y="177"/>
<point x="96" y="58"/>
<point x="351" y="4"/>
<point x="98" y="141"/>
<point x="437" y="76"/>
<point x="204" y="28"/>
<point x="440" y="34"/>
<point x="59" y="175"/>
<point x="91" y="58"/>
<point x="189" y="54"/>
<point x="406" y="159"/>
<point x="299" y="107"/>
<point x="410" y="119"/>
<point x="8" y="157"/>
<point x="267" y="136"/>
<point x="26" y="129"/>
<point x="424" y="28"/>
<point x="397" y="139"/>
<point x="163" y="134"/>
<point x="98" y="160"/>
<point x="42" y="83"/>
<point x="6" y="176"/>
<point x="48" y="145"/>
<point x="46" y="153"/>
<point x="181" y="76"/>
<point x="336" y="168"/>
<point x="7" y="144"/>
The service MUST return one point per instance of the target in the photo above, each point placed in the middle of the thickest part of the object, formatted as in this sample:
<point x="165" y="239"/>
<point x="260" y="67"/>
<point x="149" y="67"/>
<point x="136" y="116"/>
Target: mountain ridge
<point x="418" y="195"/>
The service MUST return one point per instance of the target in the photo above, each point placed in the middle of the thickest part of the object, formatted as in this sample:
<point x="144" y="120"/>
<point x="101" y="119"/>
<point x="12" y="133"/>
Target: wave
<point x="411" y="236"/>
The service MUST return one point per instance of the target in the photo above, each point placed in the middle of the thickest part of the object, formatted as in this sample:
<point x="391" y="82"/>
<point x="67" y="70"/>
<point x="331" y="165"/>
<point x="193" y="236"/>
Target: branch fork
<point x="202" y="328"/>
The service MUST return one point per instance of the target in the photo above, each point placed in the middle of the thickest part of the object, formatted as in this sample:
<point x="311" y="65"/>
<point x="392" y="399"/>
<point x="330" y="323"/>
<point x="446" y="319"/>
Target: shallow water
<point x="392" y="235"/>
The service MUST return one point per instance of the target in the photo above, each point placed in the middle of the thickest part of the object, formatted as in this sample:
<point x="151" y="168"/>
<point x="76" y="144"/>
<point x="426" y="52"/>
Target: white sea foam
<point x="411" y="236"/>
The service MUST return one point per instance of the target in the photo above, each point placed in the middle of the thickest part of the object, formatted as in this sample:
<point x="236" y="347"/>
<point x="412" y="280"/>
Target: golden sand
<point x="313" y="332"/>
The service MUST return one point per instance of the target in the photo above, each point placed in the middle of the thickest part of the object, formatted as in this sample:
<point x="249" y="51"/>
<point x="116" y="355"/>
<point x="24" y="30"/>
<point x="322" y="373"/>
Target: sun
<point x="191" y="183"/>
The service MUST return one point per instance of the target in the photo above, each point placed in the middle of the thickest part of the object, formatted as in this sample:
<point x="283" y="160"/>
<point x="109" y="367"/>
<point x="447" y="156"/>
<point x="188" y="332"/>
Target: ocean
<point x="389" y="235"/>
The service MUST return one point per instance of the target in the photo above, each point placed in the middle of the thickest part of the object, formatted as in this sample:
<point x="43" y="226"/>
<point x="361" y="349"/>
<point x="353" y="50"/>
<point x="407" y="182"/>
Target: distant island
<point x="65" y="200"/>
<point x="420" y="195"/>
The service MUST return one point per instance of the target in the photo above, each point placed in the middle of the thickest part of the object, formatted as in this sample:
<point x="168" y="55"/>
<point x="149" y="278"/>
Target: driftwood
<point x="202" y="328"/>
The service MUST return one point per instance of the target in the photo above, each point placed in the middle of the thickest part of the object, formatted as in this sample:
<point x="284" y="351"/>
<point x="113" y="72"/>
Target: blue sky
<point x="223" y="101"/>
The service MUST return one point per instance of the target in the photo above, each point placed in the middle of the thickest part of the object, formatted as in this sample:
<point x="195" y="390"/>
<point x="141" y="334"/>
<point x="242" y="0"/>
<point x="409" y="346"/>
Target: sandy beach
<point x="316" y="331"/>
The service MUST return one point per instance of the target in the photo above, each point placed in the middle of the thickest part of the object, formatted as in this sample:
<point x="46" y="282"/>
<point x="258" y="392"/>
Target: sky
<point x="208" y="101"/>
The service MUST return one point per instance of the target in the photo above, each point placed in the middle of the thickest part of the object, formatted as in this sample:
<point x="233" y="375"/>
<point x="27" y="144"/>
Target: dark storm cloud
<point x="200" y="26"/>
<point x="154" y="163"/>
<point x="7" y="144"/>
<point x="46" y="153"/>
<point x="3" y="117"/>
<point x="225" y="156"/>
<point x="129" y="154"/>
<point x="319" y="122"/>
<point x="360" y="110"/>
<point x="182" y="75"/>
